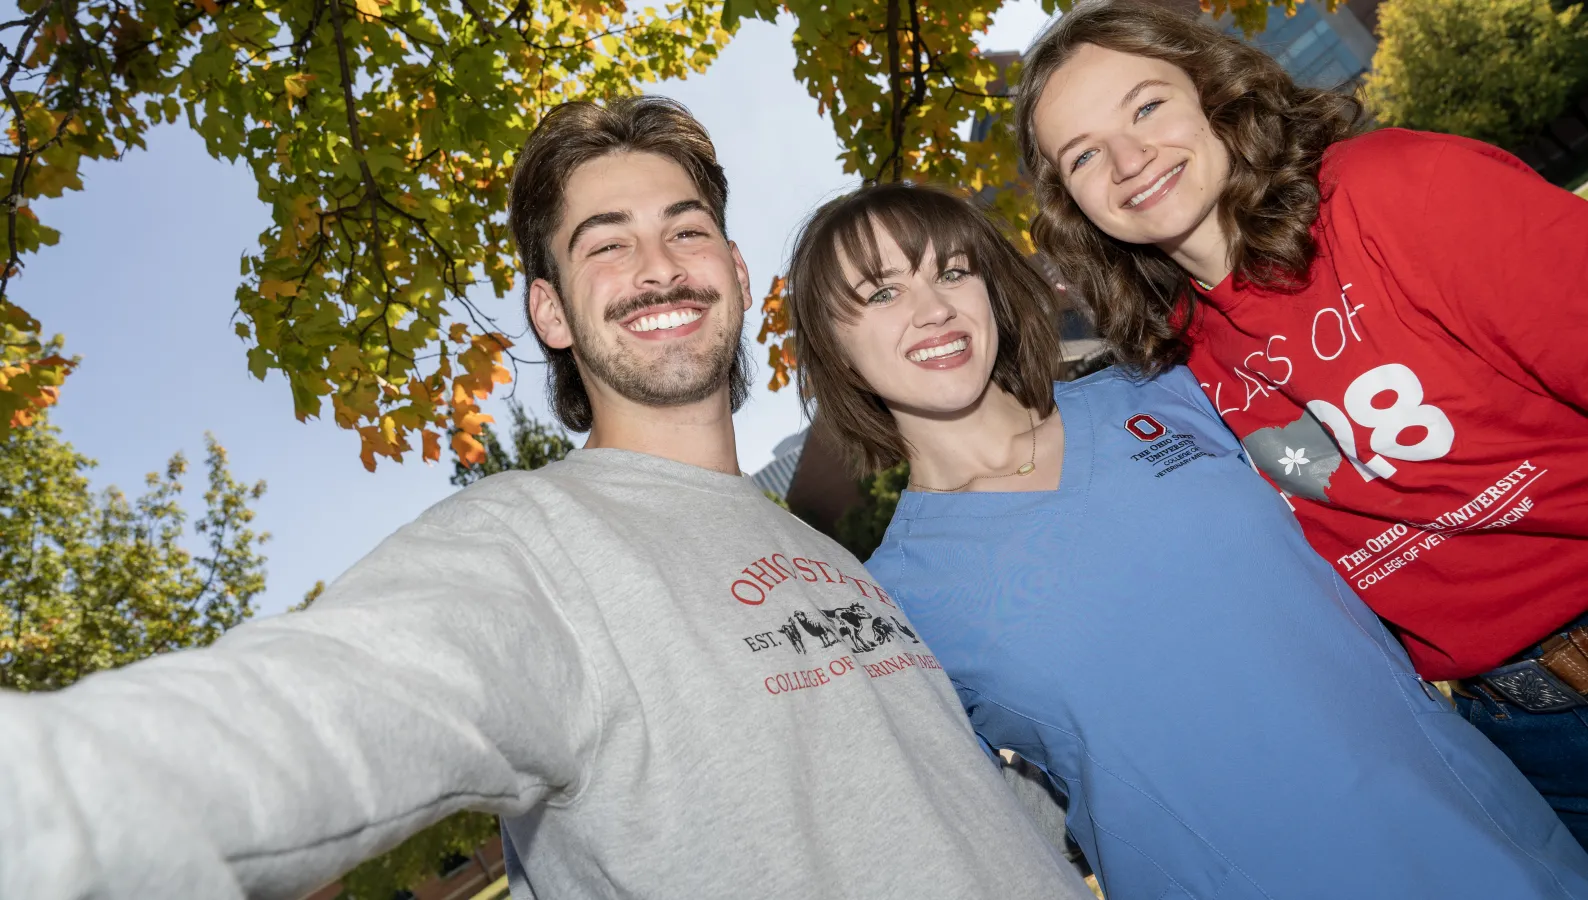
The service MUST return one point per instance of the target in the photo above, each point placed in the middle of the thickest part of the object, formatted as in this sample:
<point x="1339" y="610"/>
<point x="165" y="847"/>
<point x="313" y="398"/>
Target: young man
<point x="665" y="685"/>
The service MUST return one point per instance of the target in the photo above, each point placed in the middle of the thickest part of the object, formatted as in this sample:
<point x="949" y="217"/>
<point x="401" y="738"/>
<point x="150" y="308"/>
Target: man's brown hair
<point x="1275" y="130"/>
<point x="1025" y="307"/>
<point x="569" y="136"/>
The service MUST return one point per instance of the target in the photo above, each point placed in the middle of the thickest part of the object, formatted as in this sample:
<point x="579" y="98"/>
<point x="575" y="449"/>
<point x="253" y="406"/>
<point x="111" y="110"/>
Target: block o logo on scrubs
<point x="1145" y="427"/>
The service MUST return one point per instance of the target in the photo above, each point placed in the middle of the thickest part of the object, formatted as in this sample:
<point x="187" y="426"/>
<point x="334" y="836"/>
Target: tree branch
<point x="25" y="151"/>
<point x="895" y="89"/>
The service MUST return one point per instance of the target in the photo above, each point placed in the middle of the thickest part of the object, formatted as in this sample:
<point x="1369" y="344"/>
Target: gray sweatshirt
<point x="668" y="687"/>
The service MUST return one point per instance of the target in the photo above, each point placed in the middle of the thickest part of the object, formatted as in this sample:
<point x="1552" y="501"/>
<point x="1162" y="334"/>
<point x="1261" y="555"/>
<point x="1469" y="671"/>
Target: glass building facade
<point x="1318" y="49"/>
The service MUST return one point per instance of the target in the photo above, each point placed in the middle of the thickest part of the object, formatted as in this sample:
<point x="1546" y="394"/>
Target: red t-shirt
<point x="1443" y="342"/>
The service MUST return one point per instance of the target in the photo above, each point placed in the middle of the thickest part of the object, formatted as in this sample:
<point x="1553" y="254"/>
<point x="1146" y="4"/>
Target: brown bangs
<point x="853" y="239"/>
<point x="1025" y="307"/>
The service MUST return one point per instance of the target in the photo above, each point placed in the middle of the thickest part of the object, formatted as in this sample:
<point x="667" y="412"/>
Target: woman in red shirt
<point x="1394" y="323"/>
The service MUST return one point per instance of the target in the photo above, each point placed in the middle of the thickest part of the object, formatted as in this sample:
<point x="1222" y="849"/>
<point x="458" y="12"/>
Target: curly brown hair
<point x="1025" y="307"/>
<point x="1276" y="132"/>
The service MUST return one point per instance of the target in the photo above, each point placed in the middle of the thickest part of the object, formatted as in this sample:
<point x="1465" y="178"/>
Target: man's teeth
<point x="665" y="320"/>
<point x="1156" y="185"/>
<point x="939" y="350"/>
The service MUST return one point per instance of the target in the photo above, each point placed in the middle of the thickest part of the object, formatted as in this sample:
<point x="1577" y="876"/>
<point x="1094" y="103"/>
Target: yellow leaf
<point x="369" y="8"/>
<point x="270" y="289"/>
<point x="298" y="85"/>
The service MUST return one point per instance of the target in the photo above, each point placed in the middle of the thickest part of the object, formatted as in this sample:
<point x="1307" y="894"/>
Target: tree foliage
<point x="532" y="444"/>
<point x="381" y="134"/>
<point x="861" y="528"/>
<point x="418" y="859"/>
<point x="1494" y="70"/>
<point x="89" y="582"/>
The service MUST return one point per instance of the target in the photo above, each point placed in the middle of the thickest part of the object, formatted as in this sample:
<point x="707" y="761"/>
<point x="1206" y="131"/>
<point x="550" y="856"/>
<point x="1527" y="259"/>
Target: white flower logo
<point x="1294" y="459"/>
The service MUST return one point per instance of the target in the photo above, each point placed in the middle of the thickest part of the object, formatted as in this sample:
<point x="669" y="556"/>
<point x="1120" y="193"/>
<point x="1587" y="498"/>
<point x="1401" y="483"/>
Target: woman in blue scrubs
<point x="1122" y="601"/>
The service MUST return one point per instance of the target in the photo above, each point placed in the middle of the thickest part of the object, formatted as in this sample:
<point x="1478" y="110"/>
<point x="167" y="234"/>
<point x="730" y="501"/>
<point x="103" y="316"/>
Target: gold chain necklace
<point x="1026" y="468"/>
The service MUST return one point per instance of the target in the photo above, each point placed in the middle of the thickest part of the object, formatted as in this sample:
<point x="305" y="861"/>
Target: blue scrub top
<point x="1227" y="719"/>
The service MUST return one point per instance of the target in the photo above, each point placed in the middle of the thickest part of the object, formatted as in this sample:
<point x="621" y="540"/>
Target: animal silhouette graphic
<point x="886" y="628"/>
<point x="817" y="629"/>
<point x="850" y="621"/>
<point x="792" y="632"/>
<point x="905" y="630"/>
<point x="800" y="622"/>
<point x="882" y="630"/>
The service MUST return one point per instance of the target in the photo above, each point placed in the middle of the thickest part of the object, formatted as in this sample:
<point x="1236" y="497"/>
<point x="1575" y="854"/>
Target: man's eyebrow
<point x="620" y="217"/>
<point x="683" y="206"/>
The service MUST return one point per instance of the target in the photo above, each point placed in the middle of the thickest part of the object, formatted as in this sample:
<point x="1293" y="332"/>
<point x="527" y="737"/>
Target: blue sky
<point x="141" y="286"/>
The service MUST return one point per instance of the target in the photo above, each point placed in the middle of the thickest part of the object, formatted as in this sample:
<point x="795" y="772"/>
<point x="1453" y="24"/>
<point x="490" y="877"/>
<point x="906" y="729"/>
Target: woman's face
<point x="1134" y="148"/>
<point x="924" y="341"/>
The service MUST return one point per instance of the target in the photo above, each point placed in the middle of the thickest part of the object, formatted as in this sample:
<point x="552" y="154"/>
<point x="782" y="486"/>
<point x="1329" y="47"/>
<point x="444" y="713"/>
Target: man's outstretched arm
<point x="436" y="675"/>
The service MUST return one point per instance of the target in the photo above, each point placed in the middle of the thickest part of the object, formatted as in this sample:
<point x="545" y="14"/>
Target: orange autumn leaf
<point x="472" y="421"/>
<point x="469" y="451"/>
<point x="774" y="309"/>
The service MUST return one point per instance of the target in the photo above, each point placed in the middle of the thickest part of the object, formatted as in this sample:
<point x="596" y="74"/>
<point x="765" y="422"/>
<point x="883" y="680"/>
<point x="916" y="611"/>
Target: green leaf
<point x="95" y="580"/>
<point x="735" y="10"/>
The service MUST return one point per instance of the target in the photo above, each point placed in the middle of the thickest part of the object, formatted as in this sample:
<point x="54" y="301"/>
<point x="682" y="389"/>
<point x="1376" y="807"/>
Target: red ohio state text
<point x="765" y="574"/>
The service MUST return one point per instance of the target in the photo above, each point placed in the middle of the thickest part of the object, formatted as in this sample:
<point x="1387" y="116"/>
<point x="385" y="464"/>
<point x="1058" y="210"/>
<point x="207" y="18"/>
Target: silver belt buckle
<point x="1534" y="688"/>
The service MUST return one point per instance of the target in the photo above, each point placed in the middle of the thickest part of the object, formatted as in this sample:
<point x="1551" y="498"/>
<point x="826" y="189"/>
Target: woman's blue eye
<point x="882" y="296"/>
<point x="1147" y="108"/>
<point x="1081" y="160"/>
<point x="954" y="275"/>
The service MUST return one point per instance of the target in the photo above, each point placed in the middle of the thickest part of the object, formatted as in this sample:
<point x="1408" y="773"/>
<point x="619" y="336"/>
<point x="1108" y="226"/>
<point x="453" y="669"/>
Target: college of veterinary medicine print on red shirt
<point x="1422" y="401"/>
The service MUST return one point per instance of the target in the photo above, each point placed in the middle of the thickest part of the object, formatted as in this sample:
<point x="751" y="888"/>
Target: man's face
<point x="653" y="295"/>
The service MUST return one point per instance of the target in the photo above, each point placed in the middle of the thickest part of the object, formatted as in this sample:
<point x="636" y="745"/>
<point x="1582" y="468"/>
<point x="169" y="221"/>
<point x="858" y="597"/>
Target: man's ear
<point x="741" y="272"/>
<point x="547" y="317"/>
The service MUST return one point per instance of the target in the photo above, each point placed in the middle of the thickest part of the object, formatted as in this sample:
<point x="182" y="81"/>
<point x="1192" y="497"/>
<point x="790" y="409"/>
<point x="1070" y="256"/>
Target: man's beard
<point x="677" y="376"/>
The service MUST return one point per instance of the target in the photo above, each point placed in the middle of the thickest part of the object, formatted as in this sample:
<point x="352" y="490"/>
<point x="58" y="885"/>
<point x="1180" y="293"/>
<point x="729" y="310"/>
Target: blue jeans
<point x="1551" y="749"/>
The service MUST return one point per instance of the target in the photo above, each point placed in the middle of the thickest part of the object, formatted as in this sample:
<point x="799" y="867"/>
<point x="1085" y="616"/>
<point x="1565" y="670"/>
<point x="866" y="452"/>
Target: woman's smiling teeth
<point x="1155" y="187"/>
<point x="947" y="349"/>
<point x="675" y="319"/>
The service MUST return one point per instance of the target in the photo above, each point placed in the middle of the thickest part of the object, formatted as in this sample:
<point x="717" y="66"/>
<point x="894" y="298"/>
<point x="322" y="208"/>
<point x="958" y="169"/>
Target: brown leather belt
<point x="1554" y="681"/>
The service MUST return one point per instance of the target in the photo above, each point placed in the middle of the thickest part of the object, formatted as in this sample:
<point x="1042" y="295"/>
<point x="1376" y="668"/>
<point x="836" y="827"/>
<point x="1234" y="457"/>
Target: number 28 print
<point x="1383" y="409"/>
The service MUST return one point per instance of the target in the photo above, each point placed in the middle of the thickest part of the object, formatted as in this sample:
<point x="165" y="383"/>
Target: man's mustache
<point x="623" y="309"/>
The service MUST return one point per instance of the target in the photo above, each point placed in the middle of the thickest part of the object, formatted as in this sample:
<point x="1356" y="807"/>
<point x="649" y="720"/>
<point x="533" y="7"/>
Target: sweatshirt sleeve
<point x="437" y="675"/>
<point x="1492" y="252"/>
